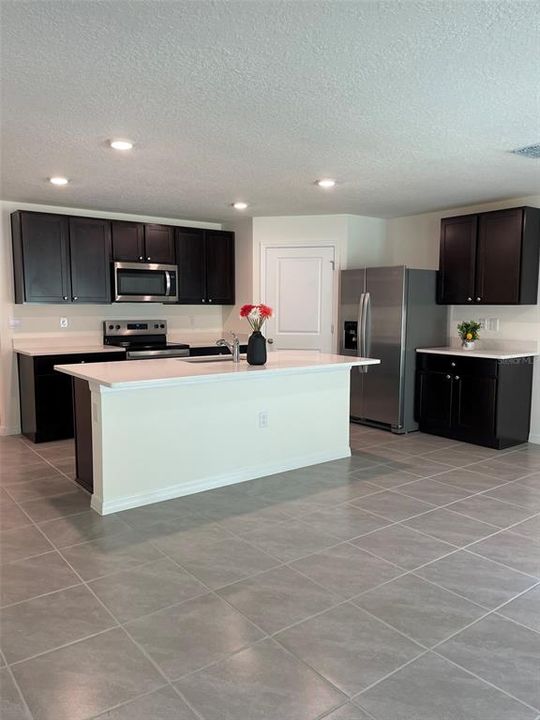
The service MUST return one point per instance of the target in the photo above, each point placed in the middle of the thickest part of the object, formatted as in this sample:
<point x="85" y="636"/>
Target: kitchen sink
<point x="209" y="359"/>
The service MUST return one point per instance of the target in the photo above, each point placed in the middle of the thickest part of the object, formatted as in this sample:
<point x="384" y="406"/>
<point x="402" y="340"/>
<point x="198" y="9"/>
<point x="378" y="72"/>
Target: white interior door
<point x="299" y="286"/>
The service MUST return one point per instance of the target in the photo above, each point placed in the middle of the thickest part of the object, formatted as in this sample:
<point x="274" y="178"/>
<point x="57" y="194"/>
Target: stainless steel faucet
<point x="234" y="347"/>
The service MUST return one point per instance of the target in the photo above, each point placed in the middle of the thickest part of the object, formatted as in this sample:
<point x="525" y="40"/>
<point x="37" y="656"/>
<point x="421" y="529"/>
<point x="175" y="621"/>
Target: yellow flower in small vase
<point x="469" y="337"/>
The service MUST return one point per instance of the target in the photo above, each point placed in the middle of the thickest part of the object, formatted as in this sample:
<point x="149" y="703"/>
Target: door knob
<point x="270" y="341"/>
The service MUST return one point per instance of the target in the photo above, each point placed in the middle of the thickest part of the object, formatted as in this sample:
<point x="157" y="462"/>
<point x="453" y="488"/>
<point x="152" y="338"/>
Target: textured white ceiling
<point x="413" y="106"/>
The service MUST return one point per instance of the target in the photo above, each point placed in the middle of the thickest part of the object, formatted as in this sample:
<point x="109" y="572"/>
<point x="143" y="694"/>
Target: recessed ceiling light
<point x="326" y="183"/>
<point x="58" y="180"/>
<point x="240" y="205"/>
<point x="121" y="144"/>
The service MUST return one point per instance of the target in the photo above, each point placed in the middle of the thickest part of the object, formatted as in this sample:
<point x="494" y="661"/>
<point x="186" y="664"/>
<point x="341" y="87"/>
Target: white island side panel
<point x="174" y="440"/>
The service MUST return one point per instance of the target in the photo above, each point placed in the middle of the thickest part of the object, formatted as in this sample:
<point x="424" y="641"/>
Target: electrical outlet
<point x="483" y="323"/>
<point x="64" y="322"/>
<point x="263" y="419"/>
<point x="493" y="324"/>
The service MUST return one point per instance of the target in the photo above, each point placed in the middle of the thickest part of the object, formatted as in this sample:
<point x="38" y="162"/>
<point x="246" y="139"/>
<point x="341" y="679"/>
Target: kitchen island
<point x="152" y="430"/>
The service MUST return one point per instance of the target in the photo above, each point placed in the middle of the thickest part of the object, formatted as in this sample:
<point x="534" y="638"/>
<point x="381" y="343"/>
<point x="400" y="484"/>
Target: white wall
<point x="358" y="240"/>
<point x="243" y="229"/>
<point x="42" y="321"/>
<point x="414" y="241"/>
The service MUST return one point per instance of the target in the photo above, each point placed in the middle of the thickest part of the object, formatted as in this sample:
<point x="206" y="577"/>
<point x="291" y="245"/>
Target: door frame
<point x="264" y="246"/>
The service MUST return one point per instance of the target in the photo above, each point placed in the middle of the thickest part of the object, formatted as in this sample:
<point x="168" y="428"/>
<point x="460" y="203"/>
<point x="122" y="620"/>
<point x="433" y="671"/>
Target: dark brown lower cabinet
<point x="82" y="416"/>
<point x="46" y="396"/>
<point x="477" y="400"/>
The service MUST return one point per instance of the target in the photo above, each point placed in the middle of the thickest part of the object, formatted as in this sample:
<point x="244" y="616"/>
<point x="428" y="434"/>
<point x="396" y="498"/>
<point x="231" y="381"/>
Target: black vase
<point x="256" y="349"/>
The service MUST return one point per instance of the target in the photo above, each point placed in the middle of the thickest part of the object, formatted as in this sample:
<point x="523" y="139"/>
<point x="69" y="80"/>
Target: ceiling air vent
<point x="531" y="151"/>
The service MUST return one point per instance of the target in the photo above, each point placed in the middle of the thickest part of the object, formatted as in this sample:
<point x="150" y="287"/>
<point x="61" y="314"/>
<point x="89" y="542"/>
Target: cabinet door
<point x="159" y="244"/>
<point x="220" y="267"/>
<point x="434" y="401"/>
<point x="498" y="264"/>
<point x="127" y="241"/>
<point x="191" y="261"/>
<point x="475" y="405"/>
<point x="90" y="252"/>
<point x="45" y="257"/>
<point x="457" y="260"/>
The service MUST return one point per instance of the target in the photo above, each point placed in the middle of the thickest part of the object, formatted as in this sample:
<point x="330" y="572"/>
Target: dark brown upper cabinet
<point x="127" y="241"/>
<point x="159" y="244"/>
<point x="490" y="258"/>
<point x="58" y="259"/>
<point x="205" y="261"/>
<point x="140" y="242"/>
<point x="90" y="259"/>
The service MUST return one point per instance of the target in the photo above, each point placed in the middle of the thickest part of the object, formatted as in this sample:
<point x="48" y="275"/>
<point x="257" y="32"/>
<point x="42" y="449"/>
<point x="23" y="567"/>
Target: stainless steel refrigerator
<point x="386" y="313"/>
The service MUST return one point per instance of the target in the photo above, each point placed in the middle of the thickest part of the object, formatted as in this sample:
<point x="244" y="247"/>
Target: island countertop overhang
<point x="175" y="371"/>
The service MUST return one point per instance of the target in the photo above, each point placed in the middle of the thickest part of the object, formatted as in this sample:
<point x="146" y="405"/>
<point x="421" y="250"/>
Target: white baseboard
<point x="195" y="486"/>
<point x="5" y="430"/>
<point x="534" y="439"/>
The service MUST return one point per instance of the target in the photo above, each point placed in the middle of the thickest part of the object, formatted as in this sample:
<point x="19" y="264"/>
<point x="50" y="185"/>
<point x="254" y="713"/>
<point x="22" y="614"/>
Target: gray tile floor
<point x="402" y="584"/>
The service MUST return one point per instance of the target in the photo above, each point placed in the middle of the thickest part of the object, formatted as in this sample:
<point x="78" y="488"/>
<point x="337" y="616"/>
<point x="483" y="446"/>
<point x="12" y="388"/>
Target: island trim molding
<point x="211" y="483"/>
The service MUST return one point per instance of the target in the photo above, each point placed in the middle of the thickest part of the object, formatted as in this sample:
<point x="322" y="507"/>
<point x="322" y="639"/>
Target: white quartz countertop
<point x="488" y="353"/>
<point x="151" y="373"/>
<point x="37" y="350"/>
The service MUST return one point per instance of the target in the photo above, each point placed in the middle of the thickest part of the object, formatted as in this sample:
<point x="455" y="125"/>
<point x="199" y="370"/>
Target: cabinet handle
<point x="203" y="300"/>
<point x="148" y="258"/>
<point x="478" y="299"/>
<point x="75" y="298"/>
<point x="209" y="299"/>
<point x="83" y="361"/>
<point x="453" y="364"/>
<point x="448" y="377"/>
<point x="469" y="299"/>
<point x="65" y="297"/>
<point x="457" y="377"/>
<point x="141" y="257"/>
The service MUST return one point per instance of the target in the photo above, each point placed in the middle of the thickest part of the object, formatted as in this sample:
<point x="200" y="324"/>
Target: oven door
<point x="145" y="282"/>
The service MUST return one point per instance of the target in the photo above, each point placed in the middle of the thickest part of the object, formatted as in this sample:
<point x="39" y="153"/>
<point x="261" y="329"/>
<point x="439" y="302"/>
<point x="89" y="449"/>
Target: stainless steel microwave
<point x="145" y="282"/>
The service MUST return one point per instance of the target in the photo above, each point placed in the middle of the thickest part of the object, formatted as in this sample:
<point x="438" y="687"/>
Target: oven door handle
<point x="167" y="283"/>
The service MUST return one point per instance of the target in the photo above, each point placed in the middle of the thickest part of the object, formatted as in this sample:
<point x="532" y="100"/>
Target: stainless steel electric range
<point x="142" y="339"/>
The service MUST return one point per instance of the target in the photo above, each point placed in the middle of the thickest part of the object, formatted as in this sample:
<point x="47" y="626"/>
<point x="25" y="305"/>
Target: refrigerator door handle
<point x="360" y="324"/>
<point x="367" y="324"/>
<point x="361" y="343"/>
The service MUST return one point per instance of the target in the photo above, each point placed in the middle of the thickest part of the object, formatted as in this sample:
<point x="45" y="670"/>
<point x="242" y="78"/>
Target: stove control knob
<point x="118" y="327"/>
<point x="162" y="326"/>
<point x="111" y="327"/>
<point x="156" y="325"/>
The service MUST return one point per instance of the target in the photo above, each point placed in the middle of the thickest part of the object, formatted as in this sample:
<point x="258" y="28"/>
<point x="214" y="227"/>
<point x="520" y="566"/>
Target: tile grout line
<point x="487" y="682"/>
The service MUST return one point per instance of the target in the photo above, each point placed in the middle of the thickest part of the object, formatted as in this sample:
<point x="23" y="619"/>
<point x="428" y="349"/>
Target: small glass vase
<point x="468" y="344"/>
<point x="256" y="349"/>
